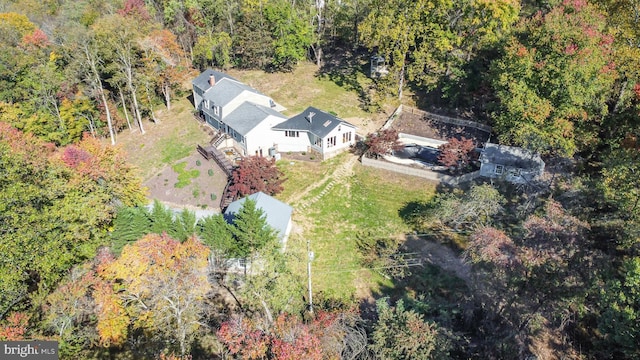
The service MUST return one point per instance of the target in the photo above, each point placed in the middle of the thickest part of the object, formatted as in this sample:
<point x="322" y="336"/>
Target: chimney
<point x="212" y="80"/>
<point x="310" y="116"/>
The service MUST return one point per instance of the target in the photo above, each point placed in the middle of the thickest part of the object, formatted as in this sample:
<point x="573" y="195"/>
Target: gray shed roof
<point x="247" y="116"/>
<point x="277" y="213"/>
<point x="202" y="81"/>
<point x="225" y="90"/>
<point x="510" y="156"/>
<point x="313" y="120"/>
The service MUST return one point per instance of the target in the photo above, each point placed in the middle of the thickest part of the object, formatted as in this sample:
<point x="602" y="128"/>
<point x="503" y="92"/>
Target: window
<point x="499" y="169"/>
<point x="292" y="133"/>
<point x="331" y="142"/>
<point x="514" y="172"/>
<point x="318" y="142"/>
<point x="206" y="104"/>
<point x="216" y="110"/>
<point x="346" y="137"/>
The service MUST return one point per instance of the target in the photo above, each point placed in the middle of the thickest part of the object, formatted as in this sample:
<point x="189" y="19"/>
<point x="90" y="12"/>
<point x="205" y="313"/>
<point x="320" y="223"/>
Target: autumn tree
<point x="532" y="276"/>
<point x="554" y="79"/>
<point x="383" y="142"/>
<point x="56" y="205"/>
<point x="162" y="284"/>
<point x="457" y="153"/>
<point x="254" y="174"/>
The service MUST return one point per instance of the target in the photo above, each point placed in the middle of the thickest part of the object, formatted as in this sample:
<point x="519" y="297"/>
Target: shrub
<point x="210" y="172"/>
<point x="213" y="196"/>
<point x="198" y="163"/>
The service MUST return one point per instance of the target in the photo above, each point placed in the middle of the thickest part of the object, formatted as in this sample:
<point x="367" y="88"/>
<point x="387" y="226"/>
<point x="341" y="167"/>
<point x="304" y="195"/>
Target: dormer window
<point x="206" y="104"/>
<point x="216" y="110"/>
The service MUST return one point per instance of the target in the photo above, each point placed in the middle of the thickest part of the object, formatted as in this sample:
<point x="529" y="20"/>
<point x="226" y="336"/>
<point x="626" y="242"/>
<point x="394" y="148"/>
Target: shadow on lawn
<point x="343" y="67"/>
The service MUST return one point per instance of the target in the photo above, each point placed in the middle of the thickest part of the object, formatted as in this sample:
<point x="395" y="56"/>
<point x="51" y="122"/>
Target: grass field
<point x="172" y="139"/>
<point x="370" y="200"/>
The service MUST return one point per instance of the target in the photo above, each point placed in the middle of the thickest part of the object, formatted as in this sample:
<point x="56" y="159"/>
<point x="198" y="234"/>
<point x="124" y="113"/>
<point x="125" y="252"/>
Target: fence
<point x="423" y="173"/>
<point x="441" y="118"/>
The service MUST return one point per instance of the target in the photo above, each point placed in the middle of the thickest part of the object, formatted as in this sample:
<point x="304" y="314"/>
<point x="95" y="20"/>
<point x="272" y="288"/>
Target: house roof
<point x="510" y="156"/>
<point x="225" y="90"/>
<point x="202" y="81"/>
<point x="313" y="120"/>
<point x="248" y="115"/>
<point x="277" y="213"/>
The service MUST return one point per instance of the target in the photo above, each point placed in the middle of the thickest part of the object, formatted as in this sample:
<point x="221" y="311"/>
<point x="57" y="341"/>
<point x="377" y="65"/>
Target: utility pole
<point x="310" y="254"/>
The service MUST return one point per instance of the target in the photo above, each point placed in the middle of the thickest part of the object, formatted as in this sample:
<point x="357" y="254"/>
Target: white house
<point x="314" y="130"/>
<point x="244" y="114"/>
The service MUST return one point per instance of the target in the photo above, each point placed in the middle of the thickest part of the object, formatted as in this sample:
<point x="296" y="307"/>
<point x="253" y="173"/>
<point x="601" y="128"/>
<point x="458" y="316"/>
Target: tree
<point x="291" y="34"/>
<point x="475" y="208"/>
<point x="118" y="43"/>
<point x="426" y="41"/>
<point x="254" y="174"/>
<point x="164" y="62"/>
<point x="55" y="206"/>
<point x="554" y="80"/>
<point x="215" y="232"/>
<point x="162" y="284"/>
<point x="528" y="280"/>
<point x="250" y="229"/>
<point x="384" y="142"/>
<point x="403" y="334"/>
<point x="619" y="320"/>
<point x="214" y="50"/>
<point x="457" y="153"/>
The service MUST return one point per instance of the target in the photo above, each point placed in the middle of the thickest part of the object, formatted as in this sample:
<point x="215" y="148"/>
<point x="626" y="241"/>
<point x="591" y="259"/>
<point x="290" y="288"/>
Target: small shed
<point x="510" y="163"/>
<point x="378" y="66"/>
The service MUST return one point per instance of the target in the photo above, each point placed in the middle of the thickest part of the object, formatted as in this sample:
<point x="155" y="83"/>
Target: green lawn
<point x="370" y="200"/>
<point x="174" y="138"/>
<point x="302" y="88"/>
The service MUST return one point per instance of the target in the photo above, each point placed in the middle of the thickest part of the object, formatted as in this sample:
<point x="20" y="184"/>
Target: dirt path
<point x="440" y="255"/>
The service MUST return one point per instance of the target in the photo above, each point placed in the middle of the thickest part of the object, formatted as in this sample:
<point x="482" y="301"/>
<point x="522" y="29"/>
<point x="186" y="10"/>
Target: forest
<point x="555" y="267"/>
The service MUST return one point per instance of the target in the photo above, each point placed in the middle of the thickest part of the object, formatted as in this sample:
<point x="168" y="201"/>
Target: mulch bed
<point x="420" y="125"/>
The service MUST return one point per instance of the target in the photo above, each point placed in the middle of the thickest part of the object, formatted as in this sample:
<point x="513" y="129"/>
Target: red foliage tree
<point x="136" y="9"/>
<point x="254" y="174"/>
<point x="241" y="337"/>
<point x="457" y="153"/>
<point x="14" y="327"/>
<point x="36" y="38"/>
<point x="384" y="142"/>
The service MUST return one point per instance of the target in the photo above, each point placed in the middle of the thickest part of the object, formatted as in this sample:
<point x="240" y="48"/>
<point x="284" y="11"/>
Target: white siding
<point x="262" y="137"/>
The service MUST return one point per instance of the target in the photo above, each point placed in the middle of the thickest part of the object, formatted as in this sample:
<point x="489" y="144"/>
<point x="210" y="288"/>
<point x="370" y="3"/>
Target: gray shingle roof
<point x="247" y="116"/>
<point x="225" y="90"/>
<point x="202" y="81"/>
<point x="277" y="213"/>
<point x="510" y="156"/>
<point x="313" y="120"/>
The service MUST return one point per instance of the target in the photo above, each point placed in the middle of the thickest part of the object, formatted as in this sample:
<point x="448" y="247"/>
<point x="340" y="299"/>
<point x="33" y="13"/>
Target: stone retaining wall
<point x="423" y="173"/>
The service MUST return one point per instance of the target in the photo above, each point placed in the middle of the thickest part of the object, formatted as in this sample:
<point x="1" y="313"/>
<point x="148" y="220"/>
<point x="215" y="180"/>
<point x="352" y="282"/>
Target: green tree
<point x="291" y="34"/>
<point x="250" y="230"/>
<point x="619" y="320"/>
<point x="404" y="334"/>
<point x="554" y="80"/>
